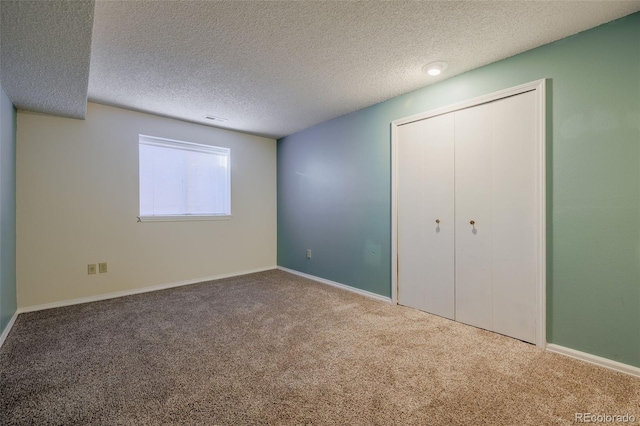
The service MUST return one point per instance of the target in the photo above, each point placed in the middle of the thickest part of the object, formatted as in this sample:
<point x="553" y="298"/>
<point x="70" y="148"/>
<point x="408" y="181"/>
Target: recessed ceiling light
<point x="435" y="68"/>
<point x="215" y="118"/>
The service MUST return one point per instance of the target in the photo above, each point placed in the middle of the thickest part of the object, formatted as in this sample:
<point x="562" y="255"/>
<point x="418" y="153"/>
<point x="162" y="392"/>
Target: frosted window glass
<point x="181" y="178"/>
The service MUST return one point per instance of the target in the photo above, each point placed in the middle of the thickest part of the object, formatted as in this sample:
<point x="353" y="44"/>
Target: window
<point x="183" y="180"/>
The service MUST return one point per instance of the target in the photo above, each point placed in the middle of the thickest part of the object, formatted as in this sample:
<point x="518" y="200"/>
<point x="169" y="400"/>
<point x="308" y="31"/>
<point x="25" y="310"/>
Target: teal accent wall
<point x="7" y="210"/>
<point x="334" y="185"/>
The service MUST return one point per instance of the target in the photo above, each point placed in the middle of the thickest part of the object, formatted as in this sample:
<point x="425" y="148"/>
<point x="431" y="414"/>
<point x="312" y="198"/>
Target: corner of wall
<point x="8" y="299"/>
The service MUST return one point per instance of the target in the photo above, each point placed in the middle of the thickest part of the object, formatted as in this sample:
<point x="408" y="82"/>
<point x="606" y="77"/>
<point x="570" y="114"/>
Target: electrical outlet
<point x="308" y="253"/>
<point x="102" y="267"/>
<point x="91" y="269"/>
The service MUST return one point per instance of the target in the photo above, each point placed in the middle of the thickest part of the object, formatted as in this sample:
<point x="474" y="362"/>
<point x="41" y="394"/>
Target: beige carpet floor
<point x="273" y="348"/>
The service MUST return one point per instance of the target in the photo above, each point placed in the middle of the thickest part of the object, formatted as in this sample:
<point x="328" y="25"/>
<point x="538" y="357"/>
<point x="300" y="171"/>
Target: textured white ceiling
<point x="270" y="67"/>
<point x="45" y="48"/>
<point x="273" y="68"/>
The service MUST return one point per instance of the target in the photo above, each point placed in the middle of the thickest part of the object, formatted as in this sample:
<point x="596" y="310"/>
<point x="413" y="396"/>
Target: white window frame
<point x="190" y="146"/>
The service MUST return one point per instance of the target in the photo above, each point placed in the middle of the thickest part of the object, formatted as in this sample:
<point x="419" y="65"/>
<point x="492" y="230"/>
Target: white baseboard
<point x="336" y="284"/>
<point x="594" y="359"/>
<point x="137" y="291"/>
<point x="7" y="329"/>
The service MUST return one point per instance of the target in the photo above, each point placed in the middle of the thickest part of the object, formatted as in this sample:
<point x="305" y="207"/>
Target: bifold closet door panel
<point x="411" y="203"/>
<point x="515" y="166"/>
<point x="473" y="209"/>
<point x="426" y="215"/>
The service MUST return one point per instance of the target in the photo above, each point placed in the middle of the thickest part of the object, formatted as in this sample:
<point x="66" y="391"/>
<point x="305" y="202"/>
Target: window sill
<point x="181" y="218"/>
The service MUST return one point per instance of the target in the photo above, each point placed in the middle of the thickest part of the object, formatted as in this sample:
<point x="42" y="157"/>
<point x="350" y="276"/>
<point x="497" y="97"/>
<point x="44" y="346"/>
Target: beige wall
<point x="77" y="203"/>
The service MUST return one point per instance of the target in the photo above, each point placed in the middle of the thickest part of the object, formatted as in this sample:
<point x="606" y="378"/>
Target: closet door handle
<point x="438" y="221"/>
<point x="473" y="222"/>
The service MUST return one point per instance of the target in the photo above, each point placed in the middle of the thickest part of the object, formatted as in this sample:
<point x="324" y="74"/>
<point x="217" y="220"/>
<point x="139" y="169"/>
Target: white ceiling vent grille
<point x="215" y="118"/>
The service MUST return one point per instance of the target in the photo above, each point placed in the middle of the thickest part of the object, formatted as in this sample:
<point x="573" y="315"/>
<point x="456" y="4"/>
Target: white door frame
<point x="539" y="87"/>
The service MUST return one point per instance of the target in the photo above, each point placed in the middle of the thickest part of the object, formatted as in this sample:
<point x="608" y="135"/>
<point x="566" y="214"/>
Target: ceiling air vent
<point x="215" y="118"/>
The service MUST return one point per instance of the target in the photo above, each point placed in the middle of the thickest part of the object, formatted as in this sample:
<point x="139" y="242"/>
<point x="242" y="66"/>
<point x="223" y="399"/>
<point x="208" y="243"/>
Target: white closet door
<point x="425" y="195"/>
<point x="473" y="203"/>
<point x="515" y="166"/>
